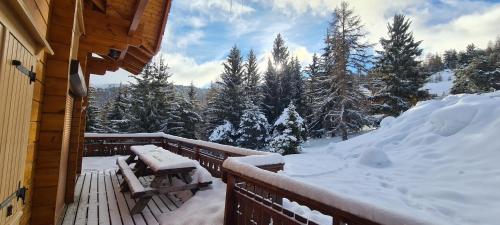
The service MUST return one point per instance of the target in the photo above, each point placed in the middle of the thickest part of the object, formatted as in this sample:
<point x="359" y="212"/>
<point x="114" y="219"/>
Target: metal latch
<point x="24" y="70"/>
<point x="20" y="193"/>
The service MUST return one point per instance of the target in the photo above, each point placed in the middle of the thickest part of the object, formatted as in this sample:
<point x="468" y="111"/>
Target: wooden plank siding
<point x="15" y="98"/>
<point x="50" y="177"/>
<point x="50" y="159"/>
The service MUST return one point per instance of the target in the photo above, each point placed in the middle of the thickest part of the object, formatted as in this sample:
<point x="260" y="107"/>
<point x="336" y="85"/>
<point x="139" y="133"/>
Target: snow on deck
<point x="438" y="161"/>
<point x="98" y="200"/>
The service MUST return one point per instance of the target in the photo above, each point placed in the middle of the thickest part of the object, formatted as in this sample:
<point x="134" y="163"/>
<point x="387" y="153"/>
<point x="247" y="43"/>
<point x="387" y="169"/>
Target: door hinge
<point x="20" y="193"/>
<point x="24" y="70"/>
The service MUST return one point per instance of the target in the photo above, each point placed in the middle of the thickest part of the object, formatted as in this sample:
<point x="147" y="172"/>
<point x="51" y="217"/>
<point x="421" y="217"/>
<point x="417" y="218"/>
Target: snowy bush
<point x="289" y="132"/>
<point x="223" y="134"/>
<point x="254" y="128"/>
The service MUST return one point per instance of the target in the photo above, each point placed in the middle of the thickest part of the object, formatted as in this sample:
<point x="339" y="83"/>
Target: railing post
<point x="197" y="153"/>
<point x="179" y="148"/>
<point x="230" y="206"/>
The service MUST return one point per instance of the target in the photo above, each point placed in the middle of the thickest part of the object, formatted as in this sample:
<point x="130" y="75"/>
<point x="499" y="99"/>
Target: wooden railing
<point x="209" y="155"/>
<point x="255" y="192"/>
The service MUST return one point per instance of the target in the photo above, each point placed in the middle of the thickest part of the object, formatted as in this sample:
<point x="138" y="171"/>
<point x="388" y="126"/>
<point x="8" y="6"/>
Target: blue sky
<point x="199" y="33"/>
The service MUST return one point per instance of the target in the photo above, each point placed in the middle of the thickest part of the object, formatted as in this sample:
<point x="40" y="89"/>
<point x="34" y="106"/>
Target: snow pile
<point x="97" y="164"/>
<point x="205" y="207"/>
<point x="440" y="83"/>
<point x="438" y="161"/>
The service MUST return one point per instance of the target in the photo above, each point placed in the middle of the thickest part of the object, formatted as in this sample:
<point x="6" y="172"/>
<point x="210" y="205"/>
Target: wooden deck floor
<point x="98" y="200"/>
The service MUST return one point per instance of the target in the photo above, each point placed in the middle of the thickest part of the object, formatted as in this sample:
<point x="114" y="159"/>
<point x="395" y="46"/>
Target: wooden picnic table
<point x="171" y="173"/>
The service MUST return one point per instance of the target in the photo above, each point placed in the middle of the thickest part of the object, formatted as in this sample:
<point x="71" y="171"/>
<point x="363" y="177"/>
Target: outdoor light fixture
<point x="77" y="81"/>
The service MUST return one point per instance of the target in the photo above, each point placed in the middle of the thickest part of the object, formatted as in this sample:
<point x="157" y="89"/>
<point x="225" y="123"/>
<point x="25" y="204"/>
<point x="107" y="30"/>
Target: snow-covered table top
<point x="159" y="159"/>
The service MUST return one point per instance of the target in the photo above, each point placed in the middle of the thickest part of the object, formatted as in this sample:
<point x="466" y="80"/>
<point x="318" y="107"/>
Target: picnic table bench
<point x="171" y="173"/>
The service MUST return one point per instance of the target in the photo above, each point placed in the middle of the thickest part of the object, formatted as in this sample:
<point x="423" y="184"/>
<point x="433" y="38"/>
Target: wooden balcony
<point x="98" y="200"/>
<point x="254" y="195"/>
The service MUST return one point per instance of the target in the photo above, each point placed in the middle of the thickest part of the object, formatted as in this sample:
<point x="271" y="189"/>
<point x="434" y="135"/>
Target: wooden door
<point x="15" y="108"/>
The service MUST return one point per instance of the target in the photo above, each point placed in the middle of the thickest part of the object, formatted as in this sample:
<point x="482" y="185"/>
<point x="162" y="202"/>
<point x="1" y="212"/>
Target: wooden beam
<point x="139" y="11"/>
<point x="99" y="66"/>
<point x="140" y="55"/>
<point x="104" y="32"/>
<point x="100" y="4"/>
<point x="163" y="24"/>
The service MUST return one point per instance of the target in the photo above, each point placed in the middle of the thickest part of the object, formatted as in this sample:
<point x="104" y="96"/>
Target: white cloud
<point x="451" y="24"/>
<point x="477" y="28"/>
<point x="190" y="38"/>
<point x="217" y="9"/>
<point x="186" y="69"/>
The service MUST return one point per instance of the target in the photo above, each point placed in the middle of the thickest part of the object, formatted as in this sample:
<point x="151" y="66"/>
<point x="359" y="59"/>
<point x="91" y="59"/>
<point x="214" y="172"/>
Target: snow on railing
<point x="264" y="192"/>
<point x="255" y="193"/>
<point x="210" y="155"/>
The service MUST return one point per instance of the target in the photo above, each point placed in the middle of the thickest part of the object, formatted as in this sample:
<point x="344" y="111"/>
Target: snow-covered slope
<point x="440" y="83"/>
<point x="439" y="160"/>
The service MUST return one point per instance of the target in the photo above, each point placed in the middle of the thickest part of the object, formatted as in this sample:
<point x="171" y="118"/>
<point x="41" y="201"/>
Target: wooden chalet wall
<point x="48" y="122"/>
<point x="38" y="11"/>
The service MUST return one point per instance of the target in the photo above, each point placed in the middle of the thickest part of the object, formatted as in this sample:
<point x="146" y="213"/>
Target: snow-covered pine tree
<point x="313" y="90"/>
<point x="397" y="67"/>
<point x="184" y="119"/>
<point x="341" y="106"/>
<point x="150" y="98"/>
<point x="230" y="100"/>
<point x="252" y="79"/>
<point x="192" y="97"/>
<point x="289" y="131"/>
<point x="253" y="131"/>
<point x="480" y="76"/>
<point x="93" y="120"/>
<point x="464" y="58"/>
<point x="103" y="117"/>
<point x="210" y="112"/>
<point x="117" y="115"/>
<point x="450" y="59"/>
<point x="223" y="134"/>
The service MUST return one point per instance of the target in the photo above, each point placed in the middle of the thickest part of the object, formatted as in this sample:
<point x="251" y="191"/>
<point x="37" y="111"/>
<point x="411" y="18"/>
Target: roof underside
<point x="125" y="33"/>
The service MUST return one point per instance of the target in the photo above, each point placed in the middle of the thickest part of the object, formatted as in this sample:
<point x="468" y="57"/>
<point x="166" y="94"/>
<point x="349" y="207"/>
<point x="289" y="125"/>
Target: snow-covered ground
<point x="438" y="161"/>
<point x="440" y="83"/>
<point x="205" y="207"/>
<point x="96" y="164"/>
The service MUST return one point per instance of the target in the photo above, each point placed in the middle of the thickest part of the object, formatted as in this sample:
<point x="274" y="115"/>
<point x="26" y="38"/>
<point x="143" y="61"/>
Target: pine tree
<point x="231" y="96"/>
<point x="253" y="131"/>
<point x="298" y="91"/>
<point x="103" y="117"/>
<point x="93" y="121"/>
<point x="289" y="131"/>
<point x="117" y="115"/>
<point x="223" y="134"/>
<point x="278" y="81"/>
<point x="340" y="106"/>
<point x="481" y="75"/>
<point x="398" y="69"/>
<point x="150" y="98"/>
<point x="252" y="79"/>
<point x="210" y="114"/>
<point x="450" y="59"/>
<point x="271" y="92"/>
<point x="184" y="119"/>
<point x="313" y="91"/>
